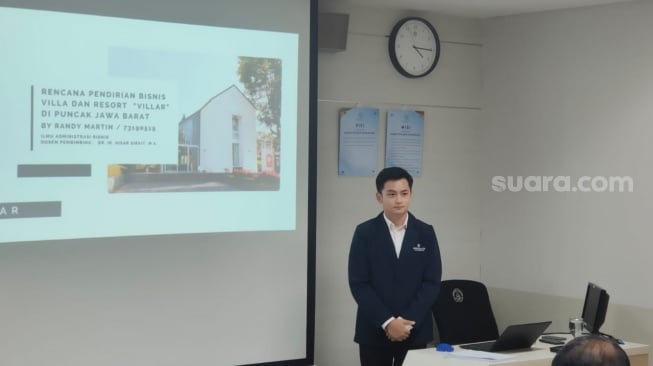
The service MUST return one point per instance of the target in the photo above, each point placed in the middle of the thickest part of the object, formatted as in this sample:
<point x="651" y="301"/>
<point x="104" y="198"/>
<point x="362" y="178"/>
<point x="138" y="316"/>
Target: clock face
<point x="414" y="47"/>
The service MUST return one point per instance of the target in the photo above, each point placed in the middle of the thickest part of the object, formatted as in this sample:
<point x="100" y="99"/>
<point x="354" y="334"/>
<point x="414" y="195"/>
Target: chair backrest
<point x="463" y="313"/>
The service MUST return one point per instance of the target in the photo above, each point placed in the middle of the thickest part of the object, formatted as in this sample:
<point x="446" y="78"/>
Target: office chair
<point x="463" y="313"/>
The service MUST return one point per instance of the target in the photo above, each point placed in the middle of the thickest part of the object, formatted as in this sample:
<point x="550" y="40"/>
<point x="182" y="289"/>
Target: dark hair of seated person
<point x="591" y="350"/>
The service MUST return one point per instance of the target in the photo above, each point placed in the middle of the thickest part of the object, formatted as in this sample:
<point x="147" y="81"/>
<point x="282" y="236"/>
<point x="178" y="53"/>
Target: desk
<point x="539" y="355"/>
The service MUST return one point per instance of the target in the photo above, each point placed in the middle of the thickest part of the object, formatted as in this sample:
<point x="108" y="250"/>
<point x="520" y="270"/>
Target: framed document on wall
<point x="405" y="140"/>
<point x="359" y="136"/>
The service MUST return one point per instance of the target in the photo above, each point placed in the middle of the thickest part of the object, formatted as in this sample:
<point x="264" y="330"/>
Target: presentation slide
<point x="126" y="127"/>
<point x="155" y="198"/>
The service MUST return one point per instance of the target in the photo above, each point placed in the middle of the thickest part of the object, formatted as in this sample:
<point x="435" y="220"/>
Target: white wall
<point x="446" y="195"/>
<point x="569" y="93"/>
<point x="216" y="134"/>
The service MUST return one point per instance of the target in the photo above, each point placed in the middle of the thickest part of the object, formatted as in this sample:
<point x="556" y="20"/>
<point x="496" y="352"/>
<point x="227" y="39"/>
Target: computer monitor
<point x="595" y="307"/>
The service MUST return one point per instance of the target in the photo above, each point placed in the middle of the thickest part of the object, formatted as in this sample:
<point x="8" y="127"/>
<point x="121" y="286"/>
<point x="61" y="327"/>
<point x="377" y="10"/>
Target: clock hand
<point x="418" y="52"/>
<point x="422" y="48"/>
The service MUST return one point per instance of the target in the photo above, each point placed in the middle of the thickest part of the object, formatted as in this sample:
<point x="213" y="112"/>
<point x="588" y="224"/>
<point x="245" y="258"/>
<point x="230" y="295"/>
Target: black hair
<point x="591" y="350"/>
<point x="392" y="173"/>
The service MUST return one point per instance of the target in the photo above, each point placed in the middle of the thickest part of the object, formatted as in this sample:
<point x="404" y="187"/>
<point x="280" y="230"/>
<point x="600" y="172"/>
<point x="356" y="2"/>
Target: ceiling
<point x="482" y="8"/>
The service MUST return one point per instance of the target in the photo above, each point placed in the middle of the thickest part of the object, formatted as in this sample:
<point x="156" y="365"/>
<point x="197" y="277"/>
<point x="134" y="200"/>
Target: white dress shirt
<point x="397" y="233"/>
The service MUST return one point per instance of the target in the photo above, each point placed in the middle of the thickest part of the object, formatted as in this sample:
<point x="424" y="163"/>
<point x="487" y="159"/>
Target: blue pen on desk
<point x="444" y="347"/>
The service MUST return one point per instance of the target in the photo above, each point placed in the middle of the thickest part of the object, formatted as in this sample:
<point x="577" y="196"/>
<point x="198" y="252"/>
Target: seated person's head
<point x="591" y="350"/>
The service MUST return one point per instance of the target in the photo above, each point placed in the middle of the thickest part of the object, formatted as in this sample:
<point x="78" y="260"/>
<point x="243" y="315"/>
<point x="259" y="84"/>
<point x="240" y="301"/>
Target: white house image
<point x="221" y="136"/>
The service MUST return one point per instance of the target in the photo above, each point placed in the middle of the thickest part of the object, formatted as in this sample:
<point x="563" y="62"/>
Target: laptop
<point x="514" y="337"/>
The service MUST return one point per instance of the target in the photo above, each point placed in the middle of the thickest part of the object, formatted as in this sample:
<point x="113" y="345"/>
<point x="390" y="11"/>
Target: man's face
<point x="395" y="198"/>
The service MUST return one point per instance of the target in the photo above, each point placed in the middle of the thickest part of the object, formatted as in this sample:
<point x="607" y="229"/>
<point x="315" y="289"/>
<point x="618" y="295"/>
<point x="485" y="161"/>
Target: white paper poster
<point x="359" y="135"/>
<point x="405" y="140"/>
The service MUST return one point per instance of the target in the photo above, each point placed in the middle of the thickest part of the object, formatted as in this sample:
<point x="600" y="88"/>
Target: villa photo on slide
<point x="231" y="143"/>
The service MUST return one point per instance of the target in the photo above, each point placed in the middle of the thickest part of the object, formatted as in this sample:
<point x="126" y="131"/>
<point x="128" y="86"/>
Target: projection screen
<point x="156" y="204"/>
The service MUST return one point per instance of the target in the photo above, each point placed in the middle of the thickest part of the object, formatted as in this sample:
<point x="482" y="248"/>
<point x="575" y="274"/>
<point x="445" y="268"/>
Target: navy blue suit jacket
<point x="385" y="286"/>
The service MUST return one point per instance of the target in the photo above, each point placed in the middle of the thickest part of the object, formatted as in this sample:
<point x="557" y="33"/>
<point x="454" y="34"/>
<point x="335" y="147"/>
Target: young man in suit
<point x="394" y="275"/>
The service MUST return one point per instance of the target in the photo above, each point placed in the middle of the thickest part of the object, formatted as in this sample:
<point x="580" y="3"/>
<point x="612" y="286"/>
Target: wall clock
<point x="414" y="47"/>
